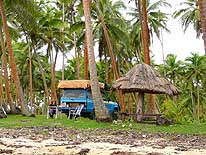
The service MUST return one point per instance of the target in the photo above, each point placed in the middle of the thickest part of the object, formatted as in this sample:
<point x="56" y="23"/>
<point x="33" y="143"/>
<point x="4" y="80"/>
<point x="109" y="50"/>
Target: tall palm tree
<point x="202" y="8"/>
<point x="6" y="77"/>
<point x="151" y="106"/>
<point x="195" y="74"/>
<point x="101" y="111"/>
<point x="111" y="53"/>
<point x="1" y="90"/>
<point x="14" y="72"/>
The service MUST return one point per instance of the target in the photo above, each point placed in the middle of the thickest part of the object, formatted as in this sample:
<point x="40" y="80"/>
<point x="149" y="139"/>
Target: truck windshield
<point x="73" y="93"/>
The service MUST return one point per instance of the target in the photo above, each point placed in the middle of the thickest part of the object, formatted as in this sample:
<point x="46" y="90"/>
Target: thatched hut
<point x="143" y="78"/>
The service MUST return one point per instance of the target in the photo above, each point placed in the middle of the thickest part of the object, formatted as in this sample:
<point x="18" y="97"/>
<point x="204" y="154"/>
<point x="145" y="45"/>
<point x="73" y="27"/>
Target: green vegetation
<point x="41" y="31"/>
<point x="16" y="121"/>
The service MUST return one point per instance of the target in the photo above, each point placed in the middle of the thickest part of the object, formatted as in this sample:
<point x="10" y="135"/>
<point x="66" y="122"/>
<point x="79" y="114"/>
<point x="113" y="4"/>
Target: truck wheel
<point x="115" y="114"/>
<point x="92" y="115"/>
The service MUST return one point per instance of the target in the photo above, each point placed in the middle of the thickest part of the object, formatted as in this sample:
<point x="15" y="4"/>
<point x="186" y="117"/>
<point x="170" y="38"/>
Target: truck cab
<point x="78" y="92"/>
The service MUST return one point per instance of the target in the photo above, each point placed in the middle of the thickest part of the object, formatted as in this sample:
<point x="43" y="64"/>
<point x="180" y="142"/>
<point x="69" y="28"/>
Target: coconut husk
<point x="143" y="78"/>
<point x="77" y="84"/>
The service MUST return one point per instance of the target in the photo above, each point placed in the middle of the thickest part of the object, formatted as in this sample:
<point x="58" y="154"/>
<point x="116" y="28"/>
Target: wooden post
<point x="140" y="107"/>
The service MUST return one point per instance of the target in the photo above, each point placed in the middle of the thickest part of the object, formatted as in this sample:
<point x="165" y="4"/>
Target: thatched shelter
<point x="143" y="78"/>
<point x="77" y="84"/>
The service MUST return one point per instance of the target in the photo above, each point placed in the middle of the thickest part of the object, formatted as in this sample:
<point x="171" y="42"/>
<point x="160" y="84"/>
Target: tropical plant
<point x="195" y="72"/>
<point x="14" y="71"/>
<point x="189" y="15"/>
<point x="101" y="111"/>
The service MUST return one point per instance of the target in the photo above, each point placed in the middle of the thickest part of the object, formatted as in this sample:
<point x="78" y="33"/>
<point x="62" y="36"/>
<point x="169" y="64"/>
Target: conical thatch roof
<point x="143" y="78"/>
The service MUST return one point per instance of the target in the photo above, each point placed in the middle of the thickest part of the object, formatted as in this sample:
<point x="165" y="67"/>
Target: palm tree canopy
<point x="189" y="15"/>
<point x="143" y="78"/>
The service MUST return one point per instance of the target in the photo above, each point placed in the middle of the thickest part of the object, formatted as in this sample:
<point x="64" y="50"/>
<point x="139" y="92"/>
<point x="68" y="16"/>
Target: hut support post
<point x="140" y="106"/>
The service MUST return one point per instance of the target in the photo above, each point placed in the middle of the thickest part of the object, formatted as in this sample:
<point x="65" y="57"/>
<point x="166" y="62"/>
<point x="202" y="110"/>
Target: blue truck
<point x="78" y="92"/>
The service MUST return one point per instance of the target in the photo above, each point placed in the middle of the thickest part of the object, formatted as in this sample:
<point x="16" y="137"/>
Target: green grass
<point x="15" y="121"/>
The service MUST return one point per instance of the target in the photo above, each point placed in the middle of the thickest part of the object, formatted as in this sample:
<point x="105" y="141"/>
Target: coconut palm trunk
<point x="52" y="61"/>
<point x="86" y="61"/>
<point x="202" y="8"/>
<point x="142" y="7"/>
<point x="43" y="77"/>
<point x="30" y="81"/>
<point x="6" y="77"/>
<point x="111" y="53"/>
<point x="1" y="91"/>
<point x="24" y="108"/>
<point x="101" y="111"/>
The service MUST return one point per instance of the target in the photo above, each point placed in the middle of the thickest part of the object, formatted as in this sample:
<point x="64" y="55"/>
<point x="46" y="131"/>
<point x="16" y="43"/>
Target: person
<point x="52" y="108"/>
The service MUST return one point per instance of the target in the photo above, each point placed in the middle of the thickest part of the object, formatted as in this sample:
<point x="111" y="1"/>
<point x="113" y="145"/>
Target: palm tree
<point x="157" y="19"/>
<point x="202" y="8"/>
<point x="111" y="53"/>
<point x="173" y="69"/>
<point x="195" y="74"/>
<point x="100" y="110"/>
<point x="14" y="72"/>
<point x="146" y="21"/>
<point x="189" y="15"/>
<point x="1" y="91"/>
<point x="6" y="77"/>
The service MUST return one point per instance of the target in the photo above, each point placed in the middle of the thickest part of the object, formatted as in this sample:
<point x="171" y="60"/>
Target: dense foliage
<point x="52" y="31"/>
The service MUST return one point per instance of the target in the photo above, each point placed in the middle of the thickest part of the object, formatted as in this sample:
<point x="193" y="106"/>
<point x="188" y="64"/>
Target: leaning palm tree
<point x="14" y="72"/>
<point x="101" y="112"/>
<point x="6" y="77"/>
<point x="111" y="53"/>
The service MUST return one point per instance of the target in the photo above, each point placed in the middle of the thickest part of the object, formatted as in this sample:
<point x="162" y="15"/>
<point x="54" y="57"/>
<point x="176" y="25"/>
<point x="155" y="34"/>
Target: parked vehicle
<point x="77" y="92"/>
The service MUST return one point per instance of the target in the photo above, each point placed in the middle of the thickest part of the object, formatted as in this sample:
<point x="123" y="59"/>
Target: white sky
<point x="175" y="42"/>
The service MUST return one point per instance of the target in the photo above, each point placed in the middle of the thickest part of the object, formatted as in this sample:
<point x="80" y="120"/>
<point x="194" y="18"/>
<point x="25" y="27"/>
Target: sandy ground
<point x="60" y="141"/>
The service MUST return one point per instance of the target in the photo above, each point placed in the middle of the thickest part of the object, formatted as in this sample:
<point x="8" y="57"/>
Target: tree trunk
<point x="63" y="67"/>
<point x="43" y="78"/>
<point x="202" y="8"/>
<point x="1" y="91"/>
<point x="140" y="107"/>
<point x="193" y="105"/>
<point x="86" y="61"/>
<point x="52" y="61"/>
<point x="150" y="106"/>
<point x="77" y="57"/>
<point x="111" y="53"/>
<point x="75" y="47"/>
<point x="106" y="70"/>
<point x="198" y="103"/>
<point x="30" y="81"/>
<point x="24" y="108"/>
<point x="101" y="111"/>
<point x="2" y="112"/>
<point x="6" y="77"/>
<point x="129" y="104"/>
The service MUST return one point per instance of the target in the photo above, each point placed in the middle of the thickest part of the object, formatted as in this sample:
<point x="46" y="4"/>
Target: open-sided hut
<point x="143" y="78"/>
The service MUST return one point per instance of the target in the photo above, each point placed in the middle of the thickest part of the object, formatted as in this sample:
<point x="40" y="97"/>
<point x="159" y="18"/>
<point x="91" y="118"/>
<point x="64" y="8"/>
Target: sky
<point x="176" y="42"/>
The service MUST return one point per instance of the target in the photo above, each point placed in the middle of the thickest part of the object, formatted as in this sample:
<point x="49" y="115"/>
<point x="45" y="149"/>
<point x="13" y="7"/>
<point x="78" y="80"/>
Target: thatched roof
<point x="143" y="78"/>
<point x="76" y="84"/>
